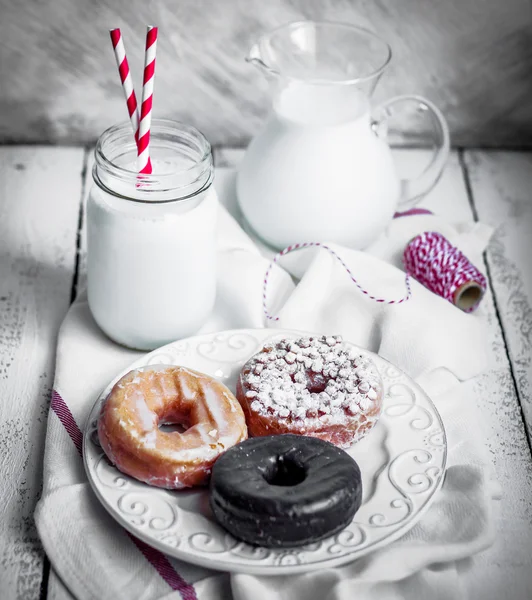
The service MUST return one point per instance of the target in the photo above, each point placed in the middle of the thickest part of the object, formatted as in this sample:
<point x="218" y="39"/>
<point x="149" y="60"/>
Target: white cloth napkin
<point x="427" y="337"/>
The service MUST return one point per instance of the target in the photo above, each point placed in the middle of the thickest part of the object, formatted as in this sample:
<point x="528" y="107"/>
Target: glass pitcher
<point x="321" y="168"/>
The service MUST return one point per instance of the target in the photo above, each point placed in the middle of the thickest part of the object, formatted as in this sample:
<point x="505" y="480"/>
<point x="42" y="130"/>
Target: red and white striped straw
<point x="125" y="78"/>
<point x="144" y="163"/>
<point x="127" y="82"/>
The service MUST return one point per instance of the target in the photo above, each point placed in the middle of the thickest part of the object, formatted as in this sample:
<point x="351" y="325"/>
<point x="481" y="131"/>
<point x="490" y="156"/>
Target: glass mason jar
<point x="151" y="238"/>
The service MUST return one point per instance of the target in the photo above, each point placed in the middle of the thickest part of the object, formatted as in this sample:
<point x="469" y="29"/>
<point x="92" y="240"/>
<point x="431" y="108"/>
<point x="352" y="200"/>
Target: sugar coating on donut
<point x="311" y="380"/>
<point x="128" y="425"/>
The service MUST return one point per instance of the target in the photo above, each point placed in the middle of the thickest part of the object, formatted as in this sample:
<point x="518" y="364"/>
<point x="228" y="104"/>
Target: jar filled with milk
<point x="151" y="238"/>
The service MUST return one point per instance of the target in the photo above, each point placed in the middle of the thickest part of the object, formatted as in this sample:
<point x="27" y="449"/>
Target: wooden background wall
<point x="58" y="80"/>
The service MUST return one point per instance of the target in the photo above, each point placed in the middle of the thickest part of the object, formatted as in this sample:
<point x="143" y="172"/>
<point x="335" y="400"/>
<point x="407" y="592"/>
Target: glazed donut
<point x="128" y="425"/>
<point x="286" y="490"/>
<point x="315" y="386"/>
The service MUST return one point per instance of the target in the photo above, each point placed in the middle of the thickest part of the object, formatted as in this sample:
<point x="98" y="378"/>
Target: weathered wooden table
<point x="41" y="264"/>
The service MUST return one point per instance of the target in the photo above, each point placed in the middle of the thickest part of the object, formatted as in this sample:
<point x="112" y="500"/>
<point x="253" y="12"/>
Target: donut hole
<point x="172" y="427"/>
<point x="173" y="420"/>
<point x="284" y="471"/>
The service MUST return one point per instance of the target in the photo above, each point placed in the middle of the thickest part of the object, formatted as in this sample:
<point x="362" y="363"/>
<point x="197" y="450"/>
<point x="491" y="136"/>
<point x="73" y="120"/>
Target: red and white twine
<point x="341" y="261"/>
<point x="144" y="163"/>
<point x="429" y="258"/>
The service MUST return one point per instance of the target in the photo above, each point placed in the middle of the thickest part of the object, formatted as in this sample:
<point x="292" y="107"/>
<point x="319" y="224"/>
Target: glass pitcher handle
<point x="412" y="190"/>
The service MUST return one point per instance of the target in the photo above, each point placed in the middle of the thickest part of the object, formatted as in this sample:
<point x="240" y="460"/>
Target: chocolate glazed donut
<point x="285" y="490"/>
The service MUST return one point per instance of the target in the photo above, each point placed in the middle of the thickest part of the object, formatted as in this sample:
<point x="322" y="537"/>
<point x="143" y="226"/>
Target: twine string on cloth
<point x="429" y="258"/>
<point x="340" y="260"/>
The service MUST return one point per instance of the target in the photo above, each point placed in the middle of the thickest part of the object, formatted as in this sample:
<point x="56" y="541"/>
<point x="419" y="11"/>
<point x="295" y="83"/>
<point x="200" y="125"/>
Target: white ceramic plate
<point x="402" y="462"/>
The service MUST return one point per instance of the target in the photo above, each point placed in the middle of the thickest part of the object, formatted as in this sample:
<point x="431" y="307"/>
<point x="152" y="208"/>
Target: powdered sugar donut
<point x="128" y="426"/>
<point x="314" y="386"/>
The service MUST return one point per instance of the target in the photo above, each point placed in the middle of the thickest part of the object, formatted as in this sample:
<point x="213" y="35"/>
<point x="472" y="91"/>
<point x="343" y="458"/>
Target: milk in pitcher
<point x="316" y="168"/>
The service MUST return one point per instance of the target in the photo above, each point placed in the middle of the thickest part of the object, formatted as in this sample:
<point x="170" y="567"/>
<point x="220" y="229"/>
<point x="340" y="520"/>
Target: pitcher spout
<point x="321" y="53"/>
<point x="255" y="58"/>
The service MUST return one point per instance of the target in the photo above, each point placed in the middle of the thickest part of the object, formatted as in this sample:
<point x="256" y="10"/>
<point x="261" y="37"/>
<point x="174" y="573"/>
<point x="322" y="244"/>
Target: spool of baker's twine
<point x="433" y="261"/>
<point x="429" y="258"/>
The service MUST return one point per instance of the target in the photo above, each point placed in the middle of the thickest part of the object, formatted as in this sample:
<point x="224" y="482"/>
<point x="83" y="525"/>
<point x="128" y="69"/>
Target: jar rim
<point x="191" y="180"/>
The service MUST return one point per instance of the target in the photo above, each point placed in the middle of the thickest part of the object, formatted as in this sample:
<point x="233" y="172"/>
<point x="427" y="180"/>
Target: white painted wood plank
<point x="502" y="189"/>
<point x="81" y="282"/>
<point x="501" y="184"/>
<point x="505" y="569"/>
<point x="501" y="199"/>
<point x="39" y="203"/>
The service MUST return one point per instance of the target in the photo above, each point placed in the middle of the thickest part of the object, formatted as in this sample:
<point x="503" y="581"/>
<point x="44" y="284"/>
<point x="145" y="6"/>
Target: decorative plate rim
<point x="208" y="560"/>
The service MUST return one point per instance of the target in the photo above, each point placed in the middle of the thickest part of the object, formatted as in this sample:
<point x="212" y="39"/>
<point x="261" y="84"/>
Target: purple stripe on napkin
<point x="165" y="569"/>
<point x="60" y="408"/>
<point x="157" y="559"/>
<point x="413" y="211"/>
